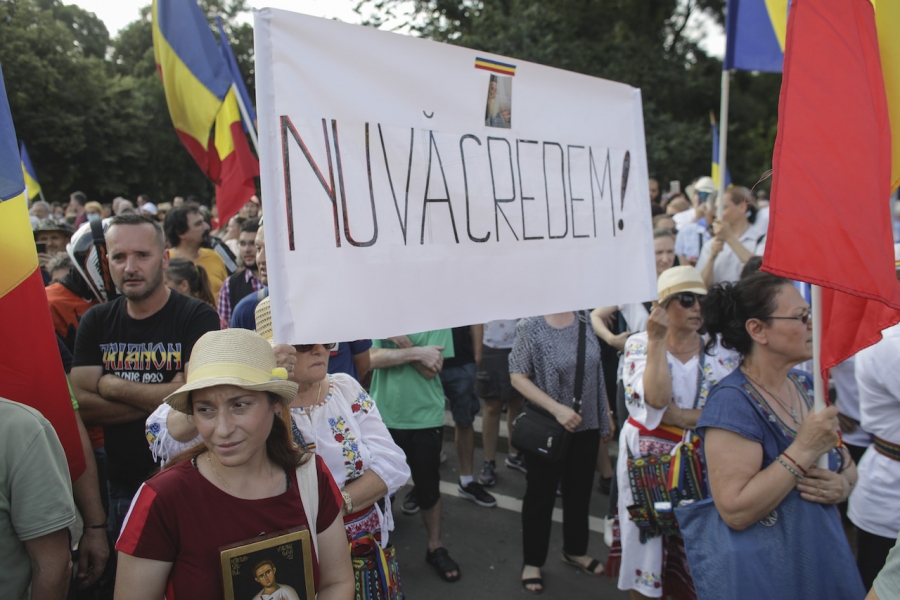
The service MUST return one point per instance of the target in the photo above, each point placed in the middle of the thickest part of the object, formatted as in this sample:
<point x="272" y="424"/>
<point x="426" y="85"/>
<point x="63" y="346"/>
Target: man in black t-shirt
<point x="131" y="353"/>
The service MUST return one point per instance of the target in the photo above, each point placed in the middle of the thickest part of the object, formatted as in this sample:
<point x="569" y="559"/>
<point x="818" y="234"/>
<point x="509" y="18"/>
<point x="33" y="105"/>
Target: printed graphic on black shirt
<point x="152" y="350"/>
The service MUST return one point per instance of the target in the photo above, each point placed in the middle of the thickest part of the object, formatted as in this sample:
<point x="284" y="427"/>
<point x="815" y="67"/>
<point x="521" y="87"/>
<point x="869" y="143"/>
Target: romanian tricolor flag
<point x="32" y="187"/>
<point x="755" y="32"/>
<point x="835" y="163"/>
<point x="495" y="66"/>
<point x="31" y="370"/>
<point x="237" y="167"/>
<point x="197" y="81"/>
<point x="228" y="56"/>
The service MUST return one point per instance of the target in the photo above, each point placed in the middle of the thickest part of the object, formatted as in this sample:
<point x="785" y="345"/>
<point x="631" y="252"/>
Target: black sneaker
<point x="410" y="504"/>
<point x="516" y="461"/>
<point x="488" y="475"/>
<point x="476" y="494"/>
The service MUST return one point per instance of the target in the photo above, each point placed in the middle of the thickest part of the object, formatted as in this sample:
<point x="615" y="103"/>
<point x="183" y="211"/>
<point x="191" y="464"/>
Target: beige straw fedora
<point x="679" y="279"/>
<point x="237" y="357"/>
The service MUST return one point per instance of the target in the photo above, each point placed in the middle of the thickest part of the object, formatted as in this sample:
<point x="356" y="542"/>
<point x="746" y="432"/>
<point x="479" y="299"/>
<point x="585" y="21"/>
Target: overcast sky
<point x="116" y="14"/>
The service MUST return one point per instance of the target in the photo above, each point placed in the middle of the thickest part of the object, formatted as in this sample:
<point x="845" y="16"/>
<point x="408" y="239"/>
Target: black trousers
<point x="576" y="472"/>
<point x="871" y="553"/>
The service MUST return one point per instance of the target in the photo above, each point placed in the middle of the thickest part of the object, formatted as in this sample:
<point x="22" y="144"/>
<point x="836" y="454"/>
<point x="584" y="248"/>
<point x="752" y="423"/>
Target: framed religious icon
<point x="277" y="566"/>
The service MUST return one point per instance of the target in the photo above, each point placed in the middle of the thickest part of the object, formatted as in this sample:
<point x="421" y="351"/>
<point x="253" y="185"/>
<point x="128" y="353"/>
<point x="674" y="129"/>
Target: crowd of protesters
<point x="704" y="388"/>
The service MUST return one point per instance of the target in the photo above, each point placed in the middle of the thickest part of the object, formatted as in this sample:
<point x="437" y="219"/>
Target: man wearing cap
<point x="186" y="230"/>
<point x="131" y="353"/>
<point x="51" y="238"/>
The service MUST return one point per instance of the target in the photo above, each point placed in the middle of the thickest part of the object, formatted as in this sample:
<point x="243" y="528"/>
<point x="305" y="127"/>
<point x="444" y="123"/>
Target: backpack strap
<point x="308" y="483"/>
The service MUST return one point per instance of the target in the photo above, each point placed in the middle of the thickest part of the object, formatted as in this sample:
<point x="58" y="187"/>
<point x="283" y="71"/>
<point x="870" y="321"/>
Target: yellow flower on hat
<point x="279" y="373"/>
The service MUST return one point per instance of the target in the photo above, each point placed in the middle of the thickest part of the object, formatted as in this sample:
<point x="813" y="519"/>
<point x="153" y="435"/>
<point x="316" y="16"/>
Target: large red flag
<point x="830" y="220"/>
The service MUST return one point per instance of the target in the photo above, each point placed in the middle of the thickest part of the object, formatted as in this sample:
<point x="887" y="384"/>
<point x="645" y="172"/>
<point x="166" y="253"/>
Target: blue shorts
<point x="459" y="387"/>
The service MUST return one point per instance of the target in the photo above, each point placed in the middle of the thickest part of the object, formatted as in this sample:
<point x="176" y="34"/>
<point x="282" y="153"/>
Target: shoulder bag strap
<point x="308" y="482"/>
<point x="579" y="364"/>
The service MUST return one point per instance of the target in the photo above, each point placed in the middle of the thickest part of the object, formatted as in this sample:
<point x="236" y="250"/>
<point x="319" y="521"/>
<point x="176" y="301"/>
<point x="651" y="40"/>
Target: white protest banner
<point x="410" y="185"/>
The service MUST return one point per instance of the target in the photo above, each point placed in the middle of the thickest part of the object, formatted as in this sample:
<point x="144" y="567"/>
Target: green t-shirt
<point x="35" y="491"/>
<point x="405" y="399"/>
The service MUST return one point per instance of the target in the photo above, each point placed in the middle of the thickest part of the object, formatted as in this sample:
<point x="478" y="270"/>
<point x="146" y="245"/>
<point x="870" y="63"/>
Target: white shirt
<point x="690" y="240"/>
<point x="500" y="334"/>
<point x="636" y="317"/>
<point x="728" y="266"/>
<point x="844" y="378"/>
<point x="284" y="592"/>
<point x="684" y="381"/>
<point x="875" y="502"/>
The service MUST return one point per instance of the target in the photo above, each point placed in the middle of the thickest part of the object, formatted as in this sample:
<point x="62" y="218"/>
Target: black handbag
<point x="535" y="431"/>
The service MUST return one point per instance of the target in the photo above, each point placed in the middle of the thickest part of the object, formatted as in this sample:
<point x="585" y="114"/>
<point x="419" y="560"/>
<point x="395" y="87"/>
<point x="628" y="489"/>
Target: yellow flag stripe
<point x="32" y="187"/>
<point x="778" y="14"/>
<point x="16" y="244"/>
<point x="887" y="17"/>
<point x="228" y="114"/>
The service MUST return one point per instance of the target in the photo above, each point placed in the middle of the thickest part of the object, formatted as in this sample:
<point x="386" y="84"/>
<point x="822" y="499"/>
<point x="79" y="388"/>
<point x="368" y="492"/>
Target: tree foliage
<point x="646" y="44"/>
<point x="92" y="110"/>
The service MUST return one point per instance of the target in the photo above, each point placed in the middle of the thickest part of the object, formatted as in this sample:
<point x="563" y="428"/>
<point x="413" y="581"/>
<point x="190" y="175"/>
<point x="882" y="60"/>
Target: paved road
<point x="487" y="544"/>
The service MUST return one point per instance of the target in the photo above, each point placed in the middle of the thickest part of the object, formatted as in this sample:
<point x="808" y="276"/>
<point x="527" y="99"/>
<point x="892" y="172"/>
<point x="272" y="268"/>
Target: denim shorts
<point x="459" y="387"/>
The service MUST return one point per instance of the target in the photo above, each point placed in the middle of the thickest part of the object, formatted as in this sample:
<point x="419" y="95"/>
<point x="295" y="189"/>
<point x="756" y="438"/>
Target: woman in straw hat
<point x="240" y="483"/>
<point x="333" y="416"/>
<point x="667" y="376"/>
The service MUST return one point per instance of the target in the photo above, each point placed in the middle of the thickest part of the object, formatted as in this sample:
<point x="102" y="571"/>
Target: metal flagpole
<point x="246" y="117"/>
<point x="723" y="140"/>
<point x="818" y="382"/>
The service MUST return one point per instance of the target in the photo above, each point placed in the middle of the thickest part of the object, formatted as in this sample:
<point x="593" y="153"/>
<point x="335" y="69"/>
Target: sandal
<point x="590" y="569"/>
<point x="539" y="580"/>
<point x="443" y="564"/>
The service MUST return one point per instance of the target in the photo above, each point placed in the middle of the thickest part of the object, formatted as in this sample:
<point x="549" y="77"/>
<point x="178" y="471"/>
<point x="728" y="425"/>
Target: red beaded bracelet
<point x="788" y="456"/>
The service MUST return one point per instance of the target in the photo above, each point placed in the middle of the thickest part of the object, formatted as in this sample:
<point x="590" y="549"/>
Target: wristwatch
<point x="348" y="503"/>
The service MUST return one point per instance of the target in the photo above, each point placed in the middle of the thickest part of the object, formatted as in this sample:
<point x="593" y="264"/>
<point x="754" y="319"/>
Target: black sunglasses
<point x="309" y="347"/>
<point x="804" y="318"/>
<point x="685" y="299"/>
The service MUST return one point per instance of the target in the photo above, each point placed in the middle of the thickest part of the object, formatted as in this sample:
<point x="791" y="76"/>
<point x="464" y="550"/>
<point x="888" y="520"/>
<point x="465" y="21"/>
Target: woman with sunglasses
<point x="667" y="377"/>
<point x="779" y="531"/>
<point x="333" y="416"/>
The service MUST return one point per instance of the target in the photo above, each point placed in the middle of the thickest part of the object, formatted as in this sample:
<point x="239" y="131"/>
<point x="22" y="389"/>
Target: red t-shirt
<point x="180" y="517"/>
